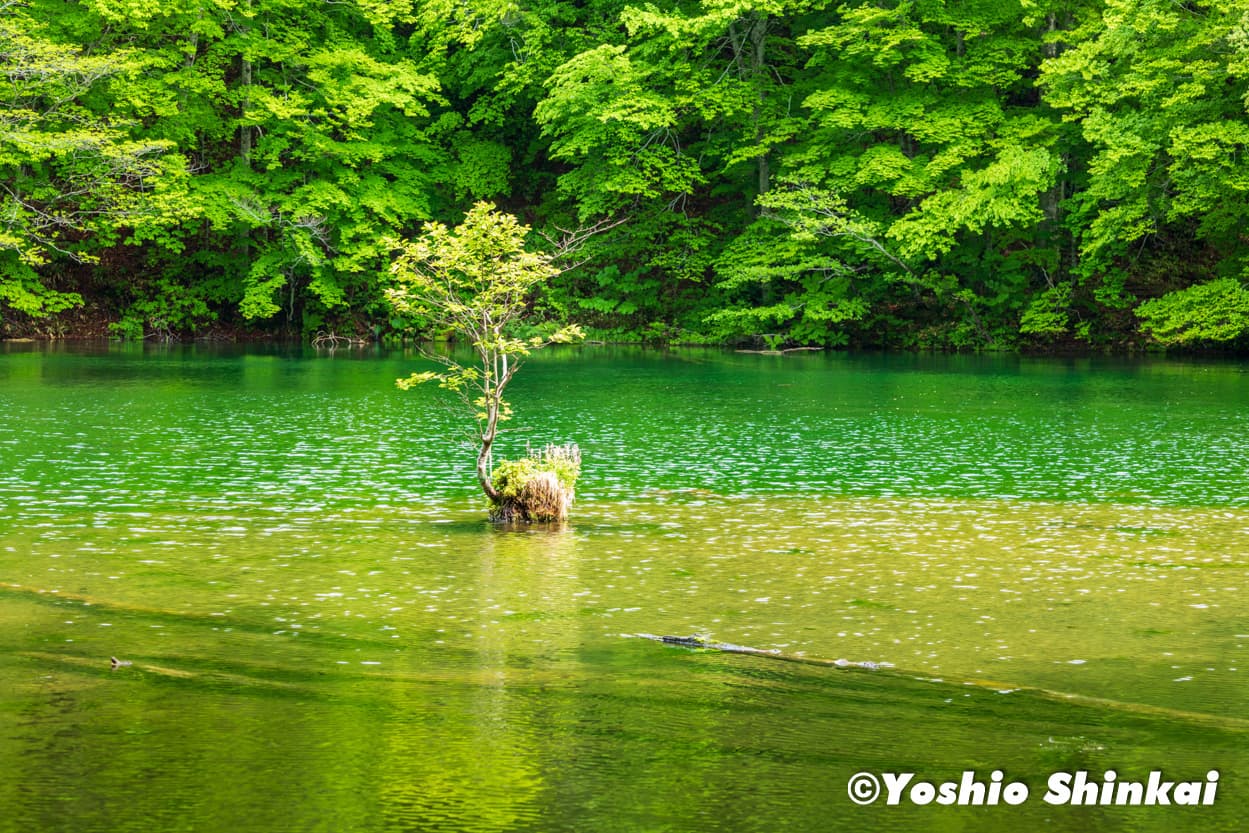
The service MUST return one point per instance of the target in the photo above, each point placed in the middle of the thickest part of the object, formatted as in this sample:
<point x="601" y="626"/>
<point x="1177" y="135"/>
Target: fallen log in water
<point x="730" y="648"/>
<point x="1087" y="700"/>
<point x="779" y="352"/>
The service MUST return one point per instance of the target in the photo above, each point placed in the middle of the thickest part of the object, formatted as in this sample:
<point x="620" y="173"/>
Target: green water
<point x="1048" y="557"/>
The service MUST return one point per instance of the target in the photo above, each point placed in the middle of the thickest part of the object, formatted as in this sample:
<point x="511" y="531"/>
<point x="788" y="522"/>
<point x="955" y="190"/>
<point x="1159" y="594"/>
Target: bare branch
<point x="568" y="241"/>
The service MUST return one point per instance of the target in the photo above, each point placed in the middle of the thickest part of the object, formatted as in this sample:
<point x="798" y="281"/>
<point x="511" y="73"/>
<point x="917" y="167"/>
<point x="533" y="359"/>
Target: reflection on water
<point x="326" y="634"/>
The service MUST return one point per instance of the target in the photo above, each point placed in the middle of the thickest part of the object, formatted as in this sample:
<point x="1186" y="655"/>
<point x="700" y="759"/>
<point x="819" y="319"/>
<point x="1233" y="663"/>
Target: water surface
<point x="1048" y="556"/>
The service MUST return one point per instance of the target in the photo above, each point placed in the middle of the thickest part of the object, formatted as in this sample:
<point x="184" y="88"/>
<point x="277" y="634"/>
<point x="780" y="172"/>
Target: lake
<point x="1046" y="558"/>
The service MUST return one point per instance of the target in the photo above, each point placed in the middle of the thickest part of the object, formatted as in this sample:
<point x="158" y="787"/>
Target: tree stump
<point x="538" y="488"/>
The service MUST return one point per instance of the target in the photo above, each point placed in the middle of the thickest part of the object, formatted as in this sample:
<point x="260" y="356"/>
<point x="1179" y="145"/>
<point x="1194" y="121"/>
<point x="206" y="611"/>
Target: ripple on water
<point x="1032" y="507"/>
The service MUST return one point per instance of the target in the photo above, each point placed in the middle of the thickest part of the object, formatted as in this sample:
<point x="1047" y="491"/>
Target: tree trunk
<point x="758" y="38"/>
<point x="484" y="458"/>
<point x="749" y="45"/>
<point x="245" y="132"/>
<point x="483" y="466"/>
<point x="245" y="80"/>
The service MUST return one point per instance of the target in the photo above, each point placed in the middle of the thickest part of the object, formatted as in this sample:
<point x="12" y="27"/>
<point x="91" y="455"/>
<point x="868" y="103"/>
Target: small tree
<point x="476" y="281"/>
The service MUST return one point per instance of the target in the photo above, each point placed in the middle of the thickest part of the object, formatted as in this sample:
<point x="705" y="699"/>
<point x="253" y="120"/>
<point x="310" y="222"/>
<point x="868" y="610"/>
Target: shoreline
<point x="241" y="336"/>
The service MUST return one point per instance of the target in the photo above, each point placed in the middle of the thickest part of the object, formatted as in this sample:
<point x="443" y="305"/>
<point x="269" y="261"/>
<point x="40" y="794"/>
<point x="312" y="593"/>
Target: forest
<point x="950" y="174"/>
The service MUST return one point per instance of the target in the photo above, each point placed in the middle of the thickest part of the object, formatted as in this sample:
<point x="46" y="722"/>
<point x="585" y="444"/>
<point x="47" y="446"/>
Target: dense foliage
<point x="945" y="173"/>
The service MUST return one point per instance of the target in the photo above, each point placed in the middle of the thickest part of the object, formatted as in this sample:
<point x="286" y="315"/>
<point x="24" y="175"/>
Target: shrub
<point x="1213" y="311"/>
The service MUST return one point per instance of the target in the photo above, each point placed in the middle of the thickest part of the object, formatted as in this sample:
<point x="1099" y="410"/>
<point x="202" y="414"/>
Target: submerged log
<point x="1085" y="700"/>
<point x="729" y="648"/>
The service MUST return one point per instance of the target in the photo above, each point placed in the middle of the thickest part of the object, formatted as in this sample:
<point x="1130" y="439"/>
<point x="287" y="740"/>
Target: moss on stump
<point x="538" y="488"/>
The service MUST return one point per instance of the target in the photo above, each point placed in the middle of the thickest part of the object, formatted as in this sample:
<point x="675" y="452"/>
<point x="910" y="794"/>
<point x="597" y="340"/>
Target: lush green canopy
<point x="949" y="173"/>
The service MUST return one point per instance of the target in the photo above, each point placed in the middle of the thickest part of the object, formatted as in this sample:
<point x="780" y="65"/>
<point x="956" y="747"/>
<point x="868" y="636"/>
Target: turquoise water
<point x="324" y="427"/>
<point x="1046" y="556"/>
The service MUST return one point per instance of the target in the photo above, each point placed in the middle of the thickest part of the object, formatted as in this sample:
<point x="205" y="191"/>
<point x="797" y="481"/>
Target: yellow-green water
<point x="325" y="634"/>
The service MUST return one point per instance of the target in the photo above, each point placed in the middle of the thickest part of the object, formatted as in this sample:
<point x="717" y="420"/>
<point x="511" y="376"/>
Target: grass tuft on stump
<point x="537" y="488"/>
